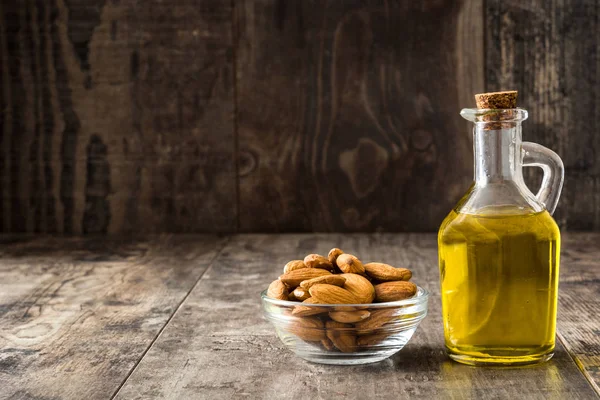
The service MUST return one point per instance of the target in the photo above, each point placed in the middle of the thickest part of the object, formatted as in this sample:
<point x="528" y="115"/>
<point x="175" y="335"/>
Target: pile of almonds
<point x="341" y="278"/>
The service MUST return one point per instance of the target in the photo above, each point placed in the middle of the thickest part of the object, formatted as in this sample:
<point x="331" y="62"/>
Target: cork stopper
<point x="497" y="100"/>
<point x="501" y="105"/>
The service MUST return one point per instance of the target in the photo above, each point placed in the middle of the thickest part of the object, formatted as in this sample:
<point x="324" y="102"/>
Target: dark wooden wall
<point x="126" y="116"/>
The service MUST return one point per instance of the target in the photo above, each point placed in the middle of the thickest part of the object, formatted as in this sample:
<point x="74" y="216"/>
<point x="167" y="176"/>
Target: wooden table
<point x="179" y="317"/>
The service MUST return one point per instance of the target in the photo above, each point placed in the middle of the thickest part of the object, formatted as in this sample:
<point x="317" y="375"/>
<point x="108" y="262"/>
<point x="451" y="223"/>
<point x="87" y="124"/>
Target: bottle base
<point x="499" y="361"/>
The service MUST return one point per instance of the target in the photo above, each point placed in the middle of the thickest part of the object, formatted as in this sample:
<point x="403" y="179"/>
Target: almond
<point x="331" y="294"/>
<point x="342" y="336"/>
<point x="303" y="311"/>
<point x="301" y="294"/>
<point x="385" y="273"/>
<point x="317" y="261"/>
<point x="394" y="291"/>
<point x="309" y="329"/>
<point x="360" y="287"/>
<point x="347" y="308"/>
<point x="334" y="254"/>
<point x="327" y="344"/>
<point x="293" y="278"/>
<point x="349" y="317"/>
<point x="277" y="290"/>
<point x="336" y="280"/>
<point x="377" y="319"/>
<point x="294" y="265"/>
<point x="349" y="264"/>
<point x="372" y="339"/>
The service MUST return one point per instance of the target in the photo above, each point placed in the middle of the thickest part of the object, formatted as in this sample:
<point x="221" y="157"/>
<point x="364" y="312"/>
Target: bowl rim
<point x="421" y="297"/>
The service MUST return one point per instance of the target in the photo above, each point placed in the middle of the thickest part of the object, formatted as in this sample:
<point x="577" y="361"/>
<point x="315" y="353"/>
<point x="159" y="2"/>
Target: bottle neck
<point x="497" y="152"/>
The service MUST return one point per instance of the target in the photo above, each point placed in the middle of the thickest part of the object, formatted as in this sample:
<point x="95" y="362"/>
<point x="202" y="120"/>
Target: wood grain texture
<point x="579" y="302"/>
<point x="121" y="116"/>
<point x="347" y="112"/>
<point x="201" y="354"/>
<point x="77" y="315"/>
<point x="548" y="50"/>
<point x="116" y="116"/>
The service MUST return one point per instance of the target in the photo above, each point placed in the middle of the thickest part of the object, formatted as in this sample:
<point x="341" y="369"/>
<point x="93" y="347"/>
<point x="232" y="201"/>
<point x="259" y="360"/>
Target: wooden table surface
<point x="179" y="317"/>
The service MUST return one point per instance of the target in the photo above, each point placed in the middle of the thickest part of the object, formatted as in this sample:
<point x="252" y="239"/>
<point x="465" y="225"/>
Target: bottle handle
<point x="536" y="155"/>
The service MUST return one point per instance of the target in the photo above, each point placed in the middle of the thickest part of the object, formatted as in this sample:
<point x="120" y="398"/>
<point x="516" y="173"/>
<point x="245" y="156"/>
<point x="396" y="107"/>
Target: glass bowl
<point x="369" y="332"/>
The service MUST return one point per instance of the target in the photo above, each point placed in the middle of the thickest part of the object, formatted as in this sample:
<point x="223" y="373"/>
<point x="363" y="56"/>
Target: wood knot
<point x="364" y="166"/>
<point x="247" y="162"/>
<point x="420" y="140"/>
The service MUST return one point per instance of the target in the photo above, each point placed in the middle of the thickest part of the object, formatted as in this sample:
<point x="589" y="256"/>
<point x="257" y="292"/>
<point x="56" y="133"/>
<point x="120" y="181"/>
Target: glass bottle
<point x="499" y="250"/>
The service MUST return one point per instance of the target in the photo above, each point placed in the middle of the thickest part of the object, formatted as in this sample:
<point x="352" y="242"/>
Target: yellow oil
<point x="499" y="282"/>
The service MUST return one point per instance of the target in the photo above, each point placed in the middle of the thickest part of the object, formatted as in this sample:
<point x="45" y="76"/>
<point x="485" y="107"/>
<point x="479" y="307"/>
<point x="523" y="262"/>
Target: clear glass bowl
<point x="383" y="329"/>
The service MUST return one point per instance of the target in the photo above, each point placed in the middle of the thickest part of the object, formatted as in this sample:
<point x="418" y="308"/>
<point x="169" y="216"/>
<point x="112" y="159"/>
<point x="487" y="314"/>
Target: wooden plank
<point x="202" y="354"/>
<point x="117" y="116"/>
<point x="579" y="302"/>
<point x="77" y="315"/>
<point x="348" y="112"/>
<point x="548" y="50"/>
